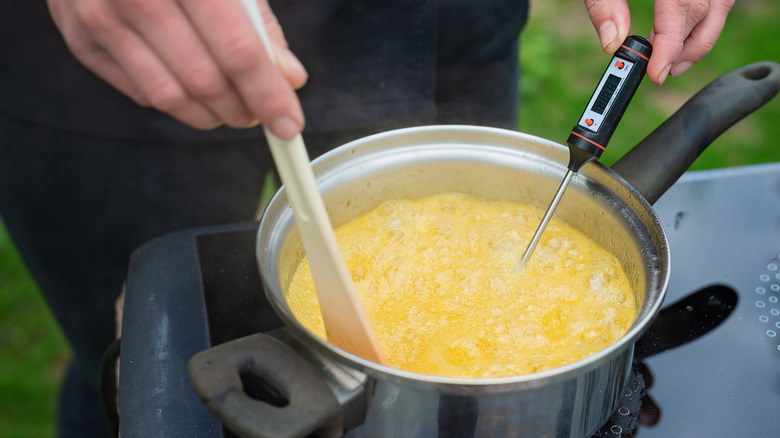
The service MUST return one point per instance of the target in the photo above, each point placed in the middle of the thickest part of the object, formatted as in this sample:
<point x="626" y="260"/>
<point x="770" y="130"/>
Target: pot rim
<point x="592" y="361"/>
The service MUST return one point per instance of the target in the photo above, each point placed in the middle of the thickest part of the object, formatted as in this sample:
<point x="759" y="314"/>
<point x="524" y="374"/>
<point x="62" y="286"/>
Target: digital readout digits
<point x="610" y="85"/>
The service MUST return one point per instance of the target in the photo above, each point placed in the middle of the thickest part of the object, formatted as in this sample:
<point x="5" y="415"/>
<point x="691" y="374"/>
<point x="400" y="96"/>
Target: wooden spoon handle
<point x="346" y="322"/>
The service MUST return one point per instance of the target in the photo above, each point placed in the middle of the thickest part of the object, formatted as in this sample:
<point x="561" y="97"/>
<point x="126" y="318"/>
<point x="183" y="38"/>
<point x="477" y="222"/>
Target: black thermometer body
<point x="589" y="137"/>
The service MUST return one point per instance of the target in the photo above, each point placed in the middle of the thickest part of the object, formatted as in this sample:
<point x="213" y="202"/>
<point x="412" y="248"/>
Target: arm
<point x="200" y="61"/>
<point x="684" y="31"/>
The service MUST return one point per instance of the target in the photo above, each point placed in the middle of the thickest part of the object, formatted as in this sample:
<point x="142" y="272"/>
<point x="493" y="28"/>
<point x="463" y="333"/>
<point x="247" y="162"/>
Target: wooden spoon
<point x="346" y="323"/>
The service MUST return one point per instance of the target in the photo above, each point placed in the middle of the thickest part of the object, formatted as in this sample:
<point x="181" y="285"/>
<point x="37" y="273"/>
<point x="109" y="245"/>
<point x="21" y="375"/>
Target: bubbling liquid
<point x="440" y="282"/>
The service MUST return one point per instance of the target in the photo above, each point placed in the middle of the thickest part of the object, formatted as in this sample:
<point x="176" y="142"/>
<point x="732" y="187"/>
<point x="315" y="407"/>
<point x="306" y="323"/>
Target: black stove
<point x="724" y="233"/>
<point x="708" y="367"/>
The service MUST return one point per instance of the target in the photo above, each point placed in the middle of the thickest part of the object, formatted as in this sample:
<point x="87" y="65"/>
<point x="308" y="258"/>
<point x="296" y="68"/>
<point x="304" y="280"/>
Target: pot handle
<point x="654" y="164"/>
<point x="289" y="397"/>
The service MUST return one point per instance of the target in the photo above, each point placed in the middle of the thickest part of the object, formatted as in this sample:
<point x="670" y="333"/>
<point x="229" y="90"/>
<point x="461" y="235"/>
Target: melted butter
<point x="440" y="282"/>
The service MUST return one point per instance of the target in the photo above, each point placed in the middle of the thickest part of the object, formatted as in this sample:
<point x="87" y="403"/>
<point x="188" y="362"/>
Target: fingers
<point x="88" y="52"/>
<point x="142" y="67"/>
<point x="678" y="44"/>
<point x="291" y="68"/>
<point x="200" y="61"/>
<point x="193" y="73"/>
<point x="286" y="61"/>
<point x="159" y="86"/>
<point x="241" y="56"/>
<point x="612" y="21"/>
<point x="684" y="31"/>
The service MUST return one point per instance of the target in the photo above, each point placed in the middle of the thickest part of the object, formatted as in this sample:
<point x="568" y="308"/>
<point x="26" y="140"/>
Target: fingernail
<point x="680" y="68"/>
<point x="664" y="74"/>
<point x="607" y="33"/>
<point x="285" y="128"/>
<point x="252" y="123"/>
<point x="293" y="63"/>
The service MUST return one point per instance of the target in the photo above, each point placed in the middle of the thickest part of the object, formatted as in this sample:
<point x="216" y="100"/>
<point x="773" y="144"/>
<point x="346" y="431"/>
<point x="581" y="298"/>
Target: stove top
<point x="724" y="231"/>
<point x="710" y="364"/>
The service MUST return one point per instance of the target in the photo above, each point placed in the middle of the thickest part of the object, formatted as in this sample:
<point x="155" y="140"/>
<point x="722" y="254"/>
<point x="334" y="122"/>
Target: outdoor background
<point x="561" y="63"/>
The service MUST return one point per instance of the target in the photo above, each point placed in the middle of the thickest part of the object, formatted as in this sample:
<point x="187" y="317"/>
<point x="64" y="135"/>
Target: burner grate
<point x="625" y="421"/>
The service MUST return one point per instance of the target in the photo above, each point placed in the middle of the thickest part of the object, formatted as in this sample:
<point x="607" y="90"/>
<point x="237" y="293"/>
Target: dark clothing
<point x="86" y="176"/>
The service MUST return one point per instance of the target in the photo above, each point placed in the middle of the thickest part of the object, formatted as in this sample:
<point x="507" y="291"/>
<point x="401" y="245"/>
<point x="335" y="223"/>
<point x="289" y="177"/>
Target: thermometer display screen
<point x="610" y="85"/>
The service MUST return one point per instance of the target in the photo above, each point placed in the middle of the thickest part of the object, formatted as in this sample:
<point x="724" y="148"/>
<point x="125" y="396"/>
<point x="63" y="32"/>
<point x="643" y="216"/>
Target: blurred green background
<point x="561" y="62"/>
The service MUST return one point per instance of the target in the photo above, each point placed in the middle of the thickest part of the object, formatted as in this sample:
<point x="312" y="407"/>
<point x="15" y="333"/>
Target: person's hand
<point x="683" y="31"/>
<point x="200" y="61"/>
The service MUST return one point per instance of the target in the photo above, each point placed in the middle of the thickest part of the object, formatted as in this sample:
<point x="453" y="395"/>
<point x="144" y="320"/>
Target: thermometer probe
<point x="589" y="137"/>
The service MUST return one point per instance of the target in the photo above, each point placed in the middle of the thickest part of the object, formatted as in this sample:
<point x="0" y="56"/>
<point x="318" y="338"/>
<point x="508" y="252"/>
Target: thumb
<point x="292" y="69"/>
<point x="612" y="21"/>
<point x="288" y="64"/>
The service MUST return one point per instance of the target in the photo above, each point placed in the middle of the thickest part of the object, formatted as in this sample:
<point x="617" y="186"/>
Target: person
<point x="124" y="120"/>
<point x="206" y="78"/>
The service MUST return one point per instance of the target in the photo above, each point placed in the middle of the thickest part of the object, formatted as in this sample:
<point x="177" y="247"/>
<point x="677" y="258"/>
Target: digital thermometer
<point x="589" y="137"/>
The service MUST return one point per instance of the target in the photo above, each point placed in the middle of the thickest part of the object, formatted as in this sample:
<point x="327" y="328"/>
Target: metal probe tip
<point x="547" y="216"/>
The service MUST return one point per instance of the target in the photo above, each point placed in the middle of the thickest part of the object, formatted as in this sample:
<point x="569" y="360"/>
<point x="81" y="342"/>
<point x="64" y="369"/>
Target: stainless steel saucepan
<point x="323" y="390"/>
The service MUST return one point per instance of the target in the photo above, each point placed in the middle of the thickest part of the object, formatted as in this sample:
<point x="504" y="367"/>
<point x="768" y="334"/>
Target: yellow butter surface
<point x="440" y="281"/>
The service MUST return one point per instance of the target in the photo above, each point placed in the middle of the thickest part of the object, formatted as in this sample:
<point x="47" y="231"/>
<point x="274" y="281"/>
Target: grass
<point x="33" y="352"/>
<point x="561" y="62"/>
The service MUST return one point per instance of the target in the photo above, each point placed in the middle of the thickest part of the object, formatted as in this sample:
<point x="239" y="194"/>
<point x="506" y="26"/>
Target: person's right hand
<point x="200" y="61"/>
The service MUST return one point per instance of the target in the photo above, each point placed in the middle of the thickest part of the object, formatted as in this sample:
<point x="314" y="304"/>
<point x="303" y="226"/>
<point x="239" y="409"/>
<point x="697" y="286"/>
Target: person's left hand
<point x="684" y="31"/>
